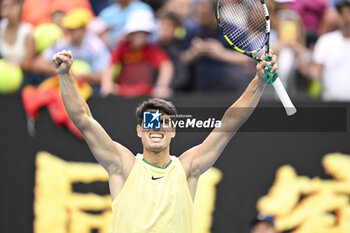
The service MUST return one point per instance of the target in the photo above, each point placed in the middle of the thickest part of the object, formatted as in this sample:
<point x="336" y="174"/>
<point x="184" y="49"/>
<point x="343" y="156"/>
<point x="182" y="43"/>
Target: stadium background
<point x="248" y="163"/>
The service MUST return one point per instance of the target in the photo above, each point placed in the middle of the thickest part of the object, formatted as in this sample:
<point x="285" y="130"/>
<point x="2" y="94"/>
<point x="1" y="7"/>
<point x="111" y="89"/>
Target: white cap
<point x="140" y="21"/>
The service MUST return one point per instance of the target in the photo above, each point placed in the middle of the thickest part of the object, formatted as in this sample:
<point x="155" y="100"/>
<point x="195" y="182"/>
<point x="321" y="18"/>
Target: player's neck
<point x="160" y="159"/>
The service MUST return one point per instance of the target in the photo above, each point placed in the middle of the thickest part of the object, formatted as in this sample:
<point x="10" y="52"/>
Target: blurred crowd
<point x="163" y="47"/>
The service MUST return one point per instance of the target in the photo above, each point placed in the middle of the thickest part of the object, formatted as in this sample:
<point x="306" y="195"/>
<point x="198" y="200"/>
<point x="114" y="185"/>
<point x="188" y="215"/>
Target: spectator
<point x="290" y="34"/>
<point x="287" y="40"/>
<point x="99" y="5"/>
<point x="214" y="66"/>
<point x="155" y="4"/>
<point x="182" y="8"/>
<point x="17" y="44"/>
<point x="116" y="16"/>
<point x="332" y="66"/>
<point x="39" y="11"/>
<point x="263" y="224"/>
<point x="170" y="39"/>
<point x="303" y="59"/>
<point x="330" y="20"/>
<point x="286" y="24"/>
<point x="138" y="59"/>
<point x="47" y="34"/>
<point x="84" y="46"/>
<point x="310" y="12"/>
<point x="99" y="28"/>
<point x="56" y="17"/>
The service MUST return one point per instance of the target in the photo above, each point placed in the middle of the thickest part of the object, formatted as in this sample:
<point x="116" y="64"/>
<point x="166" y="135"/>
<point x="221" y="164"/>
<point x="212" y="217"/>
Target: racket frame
<point x="250" y="54"/>
<point x="280" y="90"/>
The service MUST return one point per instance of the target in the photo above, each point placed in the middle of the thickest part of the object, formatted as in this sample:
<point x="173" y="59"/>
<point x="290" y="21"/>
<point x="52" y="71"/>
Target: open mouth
<point x="156" y="136"/>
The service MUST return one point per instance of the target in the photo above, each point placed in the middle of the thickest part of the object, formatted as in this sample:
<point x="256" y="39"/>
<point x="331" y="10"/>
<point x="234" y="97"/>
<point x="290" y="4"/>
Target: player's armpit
<point x="113" y="156"/>
<point x="210" y="150"/>
<point x="200" y="158"/>
<point x="186" y="159"/>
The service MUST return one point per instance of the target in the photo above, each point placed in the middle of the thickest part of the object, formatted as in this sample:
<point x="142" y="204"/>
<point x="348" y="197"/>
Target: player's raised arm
<point x="111" y="155"/>
<point x="200" y="158"/>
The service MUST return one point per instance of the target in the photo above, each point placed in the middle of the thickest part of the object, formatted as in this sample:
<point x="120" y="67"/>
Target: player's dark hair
<point x="165" y="107"/>
<point x="342" y="3"/>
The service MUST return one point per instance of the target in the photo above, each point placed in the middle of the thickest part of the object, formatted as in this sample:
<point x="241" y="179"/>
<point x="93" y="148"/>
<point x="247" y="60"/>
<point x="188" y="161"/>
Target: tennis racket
<point x="245" y="24"/>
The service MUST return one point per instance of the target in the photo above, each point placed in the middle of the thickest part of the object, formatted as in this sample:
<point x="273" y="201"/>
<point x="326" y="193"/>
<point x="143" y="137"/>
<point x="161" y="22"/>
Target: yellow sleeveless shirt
<point x="153" y="200"/>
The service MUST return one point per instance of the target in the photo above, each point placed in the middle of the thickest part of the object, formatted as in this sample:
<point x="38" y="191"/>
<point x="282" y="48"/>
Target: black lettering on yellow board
<point x="57" y="209"/>
<point x="314" y="212"/>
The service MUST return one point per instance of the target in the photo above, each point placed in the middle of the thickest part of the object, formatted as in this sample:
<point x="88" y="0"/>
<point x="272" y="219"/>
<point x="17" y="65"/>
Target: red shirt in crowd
<point x="138" y="66"/>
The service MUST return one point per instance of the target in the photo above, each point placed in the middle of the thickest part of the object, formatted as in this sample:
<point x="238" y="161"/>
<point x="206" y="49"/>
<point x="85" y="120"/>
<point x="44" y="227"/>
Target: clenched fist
<point x="63" y="61"/>
<point x="262" y="66"/>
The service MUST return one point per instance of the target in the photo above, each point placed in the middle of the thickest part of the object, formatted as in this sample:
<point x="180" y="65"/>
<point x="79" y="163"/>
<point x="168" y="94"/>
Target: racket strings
<point x="243" y="22"/>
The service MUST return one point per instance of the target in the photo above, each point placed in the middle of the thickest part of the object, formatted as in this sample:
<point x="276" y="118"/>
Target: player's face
<point x="157" y="140"/>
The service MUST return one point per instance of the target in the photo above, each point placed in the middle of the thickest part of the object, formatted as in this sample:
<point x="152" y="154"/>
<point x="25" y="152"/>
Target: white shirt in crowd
<point x="332" y="51"/>
<point x="17" y="50"/>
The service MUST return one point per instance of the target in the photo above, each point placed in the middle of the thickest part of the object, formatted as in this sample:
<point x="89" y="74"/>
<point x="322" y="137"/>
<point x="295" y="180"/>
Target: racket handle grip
<point x="283" y="95"/>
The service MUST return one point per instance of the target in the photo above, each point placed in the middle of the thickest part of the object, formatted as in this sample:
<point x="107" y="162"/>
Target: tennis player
<point x="153" y="192"/>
